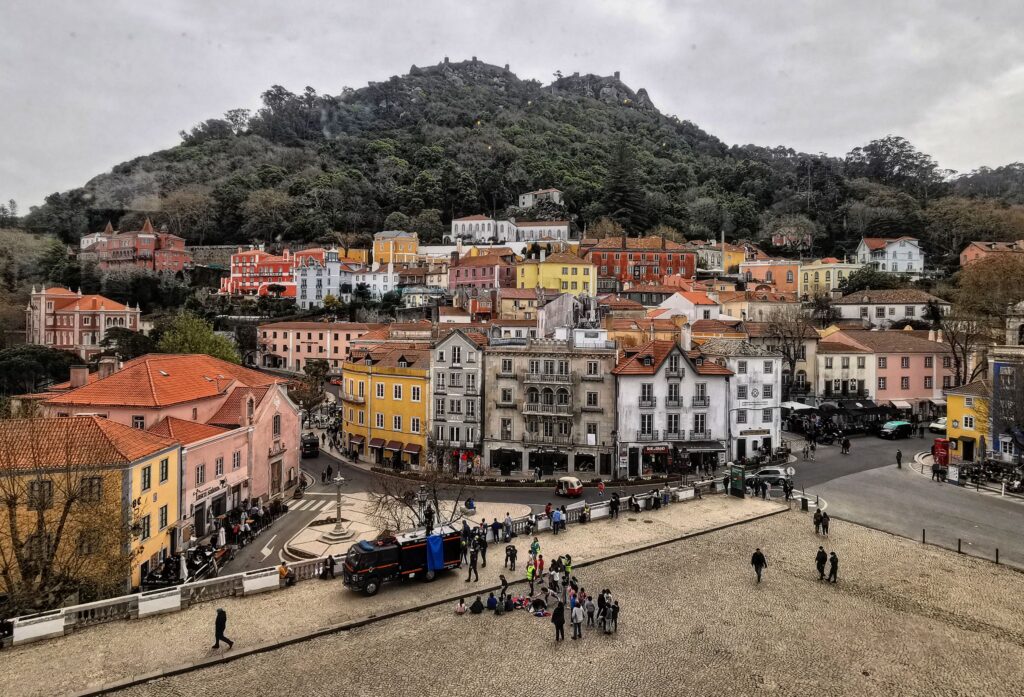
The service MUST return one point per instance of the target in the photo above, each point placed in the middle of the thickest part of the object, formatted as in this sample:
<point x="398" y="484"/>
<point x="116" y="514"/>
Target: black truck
<point x="369" y="563"/>
<point x="310" y="445"/>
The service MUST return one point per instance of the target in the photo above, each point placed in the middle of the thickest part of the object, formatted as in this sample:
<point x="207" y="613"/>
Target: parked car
<point x="773" y="475"/>
<point x="336" y="381"/>
<point x="896" y="429"/>
<point x="938" y="426"/>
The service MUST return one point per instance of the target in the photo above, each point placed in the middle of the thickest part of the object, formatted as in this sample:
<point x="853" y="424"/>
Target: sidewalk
<point x="118" y="650"/>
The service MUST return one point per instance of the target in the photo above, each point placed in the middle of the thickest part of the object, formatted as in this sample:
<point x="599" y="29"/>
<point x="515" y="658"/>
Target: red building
<point x="636" y="260"/>
<point x="65" y="319"/>
<point x="145" y="249"/>
<point x="481" y="272"/>
<point x="253" y="271"/>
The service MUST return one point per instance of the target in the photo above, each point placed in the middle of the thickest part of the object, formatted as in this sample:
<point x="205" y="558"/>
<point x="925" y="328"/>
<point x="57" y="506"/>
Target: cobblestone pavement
<point x="118" y="650"/>
<point x="904" y="619"/>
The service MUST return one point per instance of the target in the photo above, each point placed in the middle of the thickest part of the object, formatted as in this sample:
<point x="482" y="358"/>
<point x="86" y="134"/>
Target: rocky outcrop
<point x="610" y="90"/>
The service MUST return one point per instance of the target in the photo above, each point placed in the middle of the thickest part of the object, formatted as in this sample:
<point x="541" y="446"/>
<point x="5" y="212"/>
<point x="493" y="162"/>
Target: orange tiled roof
<point x="184" y="431"/>
<point x="158" y="380"/>
<point x="78" y="441"/>
<point x="472" y="217"/>
<point x="231" y="412"/>
<point x="705" y="366"/>
<point x="697" y="297"/>
<point x="657" y="351"/>
<point x="874" y="243"/>
<point x="617" y="303"/>
<point x="645" y="243"/>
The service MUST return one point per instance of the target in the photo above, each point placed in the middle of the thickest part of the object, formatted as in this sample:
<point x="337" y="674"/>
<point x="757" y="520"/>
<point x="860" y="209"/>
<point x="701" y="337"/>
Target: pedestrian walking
<point x="899" y="458"/>
<point x="535" y="548"/>
<point x="508" y="526"/>
<point x="465" y="550"/>
<point x="483" y="550"/>
<point x="814" y="448"/>
<point x="504" y="584"/>
<point x="615" y="616"/>
<point x="613" y="506"/>
<point x="472" y="565"/>
<point x="591" y="608"/>
<point x="219" y="625"/>
<point x="806" y="452"/>
<point x="558" y="619"/>
<point x="330" y="473"/>
<point x="825" y="520"/>
<point x="817" y="522"/>
<point x="819" y="562"/>
<point x="768" y="490"/>
<point x="600" y="488"/>
<point x="759" y="563"/>
<point x="577" y="622"/>
<point x="531" y="573"/>
<point x="539" y="564"/>
<point x="833" y="567"/>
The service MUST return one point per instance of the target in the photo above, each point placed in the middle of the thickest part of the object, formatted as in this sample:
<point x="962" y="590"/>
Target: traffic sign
<point x="791" y="471"/>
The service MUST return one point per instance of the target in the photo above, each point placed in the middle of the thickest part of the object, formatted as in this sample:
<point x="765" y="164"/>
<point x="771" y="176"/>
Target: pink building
<point x="481" y="272"/>
<point x="232" y="404"/>
<point x="288" y="345"/>
<point x="215" y="467"/>
<point x="145" y="248"/>
<point x="910" y="368"/>
<point x="64" y="319"/>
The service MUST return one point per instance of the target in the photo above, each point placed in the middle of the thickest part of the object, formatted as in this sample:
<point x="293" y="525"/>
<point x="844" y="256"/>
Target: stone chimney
<point x="543" y="252"/>
<point x="685" y="337"/>
<point x="616" y="74"/>
<point x="79" y="376"/>
<point x="938" y="336"/>
<point x="931" y="335"/>
<point x="108" y="365"/>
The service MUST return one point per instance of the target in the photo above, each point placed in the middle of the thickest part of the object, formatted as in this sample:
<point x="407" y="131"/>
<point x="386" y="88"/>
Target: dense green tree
<point x="623" y="197"/>
<point x="28" y="368"/>
<point x="118" y="341"/>
<point x="868" y="278"/>
<point x="187" y="333"/>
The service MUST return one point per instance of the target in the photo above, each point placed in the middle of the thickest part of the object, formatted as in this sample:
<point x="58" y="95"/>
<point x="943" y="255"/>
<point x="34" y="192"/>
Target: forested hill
<point x="460" y="138"/>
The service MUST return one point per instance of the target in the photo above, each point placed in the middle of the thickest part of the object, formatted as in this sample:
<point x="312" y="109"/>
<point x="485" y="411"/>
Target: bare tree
<point x="968" y="335"/>
<point x="394" y="501"/>
<point x="64" y="529"/>
<point x="790" y="328"/>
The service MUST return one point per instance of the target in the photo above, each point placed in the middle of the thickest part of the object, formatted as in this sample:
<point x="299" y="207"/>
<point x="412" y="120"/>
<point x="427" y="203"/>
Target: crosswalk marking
<point x="300" y="505"/>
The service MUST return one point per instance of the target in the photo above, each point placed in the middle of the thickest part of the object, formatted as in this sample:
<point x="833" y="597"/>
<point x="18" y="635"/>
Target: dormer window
<point x="648" y="360"/>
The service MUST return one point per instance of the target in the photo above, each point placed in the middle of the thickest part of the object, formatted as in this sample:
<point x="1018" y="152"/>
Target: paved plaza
<point x="115" y="651"/>
<point x="904" y="619"/>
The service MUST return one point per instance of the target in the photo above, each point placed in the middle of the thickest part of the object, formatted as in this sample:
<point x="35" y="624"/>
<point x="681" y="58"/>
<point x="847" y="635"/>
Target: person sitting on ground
<point x="460" y="607"/>
<point x="470" y="504"/>
<point x="539" y="606"/>
<point x="477" y="607"/>
<point x="492" y="602"/>
<point x="287" y="575"/>
<point x="510" y="604"/>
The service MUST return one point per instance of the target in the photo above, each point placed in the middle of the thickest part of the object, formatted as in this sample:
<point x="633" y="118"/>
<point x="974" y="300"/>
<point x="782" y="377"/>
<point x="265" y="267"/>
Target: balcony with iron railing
<point x="673" y="402"/>
<point x="648" y="402"/>
<point x="549" y="378"/>
<point x="541" y="439"/>
<point x="547" y="409"/>
<point x="701" y="401"/>
<point x="354" y="398"/>
<point x="699" y="435"/>
<point x="647" y="436"/>
<point x="671" y="372"/>
<point x="674" y="434"/>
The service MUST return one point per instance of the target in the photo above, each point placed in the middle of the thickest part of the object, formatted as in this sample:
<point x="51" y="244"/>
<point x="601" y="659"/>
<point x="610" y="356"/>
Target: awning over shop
<point x="900" y="404"/>
<point x="412" y="448"/>
<point x="938" y="402"/>
<point x="356" y="440"/>
<point x="795" y="406"/>
<point x="704" y="446"/>
<point x="395" y="445"/>
<point x="376" y="442"/>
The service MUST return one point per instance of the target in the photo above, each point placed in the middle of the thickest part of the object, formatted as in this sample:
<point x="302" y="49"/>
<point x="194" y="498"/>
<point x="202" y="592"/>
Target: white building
<point x="892" y="254"/>
<point x="672" y="410"/>
<point x="844" y="371"/>
<point x="380" y="281"/>
<point x="694" y="305"/>
<point x="481" y="228"/>
<point x="755" y="394"/>
<point x="531" y="198"/>
<point x="881" y="308"/>
<point x="314" y="280"/>
<point x="456" y="412"/>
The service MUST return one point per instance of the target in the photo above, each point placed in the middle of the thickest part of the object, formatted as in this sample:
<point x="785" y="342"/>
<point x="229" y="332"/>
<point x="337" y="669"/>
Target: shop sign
<point x="756" y="432"/>
<point x="203" y="493"/>
<point x="656" y="450"/>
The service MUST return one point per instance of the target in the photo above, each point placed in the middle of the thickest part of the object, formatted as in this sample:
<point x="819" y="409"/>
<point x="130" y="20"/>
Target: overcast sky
<point x="86" y="85"/>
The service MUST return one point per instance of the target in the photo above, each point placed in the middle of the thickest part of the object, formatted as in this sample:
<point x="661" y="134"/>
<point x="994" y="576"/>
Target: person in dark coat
<point x="428" y="519"/>
<point x="477" y="607"/>
<point x="472" y="566"/>
<point x="759" y="563"/>
<point x="219" y="625"/>
<point x="329" y="565"/>
<point x="825" y="520"/>
<point x="558" y="619"/>
<point x="819" y="561"/>
<point x="483" y="549"/>
<point x="817" y="521"/>
<point x="833" y="567"/>
<point x="510" y="556"/>
<point x="899" y="458"/>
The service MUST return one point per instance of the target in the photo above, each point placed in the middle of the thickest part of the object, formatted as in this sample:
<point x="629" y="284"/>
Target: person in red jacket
<point x="538" y="568"/>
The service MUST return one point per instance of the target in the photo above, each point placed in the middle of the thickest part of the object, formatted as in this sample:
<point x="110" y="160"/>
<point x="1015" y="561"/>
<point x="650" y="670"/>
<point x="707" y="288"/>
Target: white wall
<point x="755" y="377"/>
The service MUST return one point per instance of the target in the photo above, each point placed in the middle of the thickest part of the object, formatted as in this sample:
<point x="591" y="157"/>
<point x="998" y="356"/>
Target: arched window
<point x="563" y="397"/>
<point x="548" y="396"/>
<point x="532" y="396"/>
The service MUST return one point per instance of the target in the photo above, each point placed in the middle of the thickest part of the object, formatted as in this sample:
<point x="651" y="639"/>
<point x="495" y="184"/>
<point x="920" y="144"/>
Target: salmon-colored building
<point x="145" y="248"/>
<point x="227" y="408"/>
<point x="253" y="271"/>
<point x="977" y="251"/>
<point x="781" y="274"/>
<point x="65" y="319"/>
<point x="289" y="345"/>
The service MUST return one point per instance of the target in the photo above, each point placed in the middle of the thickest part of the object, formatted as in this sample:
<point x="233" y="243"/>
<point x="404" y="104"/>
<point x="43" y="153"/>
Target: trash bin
<point x="803" y="503"/>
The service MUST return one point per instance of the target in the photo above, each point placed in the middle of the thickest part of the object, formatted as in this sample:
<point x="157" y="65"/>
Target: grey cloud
<point x="88" y="85"/>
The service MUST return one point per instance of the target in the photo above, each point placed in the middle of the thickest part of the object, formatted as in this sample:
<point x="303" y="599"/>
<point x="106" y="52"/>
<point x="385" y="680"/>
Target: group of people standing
<point x="821" y="521"/>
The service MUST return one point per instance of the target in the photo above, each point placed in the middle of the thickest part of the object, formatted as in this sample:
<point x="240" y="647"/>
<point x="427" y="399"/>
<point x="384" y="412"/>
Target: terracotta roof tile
<point x="79" y="441"/>
<point x="158" y="380"/>
<point x="184" y="431"/>
<point x="655" y="351"/>
<point x="705" y="366"/>
<point x="978" y="388"/>
<point x="232" y="411"/>
<point x="898" y="296"/>
<point x="839" y="347"/>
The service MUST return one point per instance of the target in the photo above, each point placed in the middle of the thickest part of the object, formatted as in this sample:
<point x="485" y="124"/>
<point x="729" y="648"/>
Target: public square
<point x="903" y="619"/>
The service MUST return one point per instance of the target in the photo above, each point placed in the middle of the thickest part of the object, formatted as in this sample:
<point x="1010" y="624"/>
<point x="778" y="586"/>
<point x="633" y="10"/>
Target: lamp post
<point x="421" y="498"/>
<point x="341" y="529"/>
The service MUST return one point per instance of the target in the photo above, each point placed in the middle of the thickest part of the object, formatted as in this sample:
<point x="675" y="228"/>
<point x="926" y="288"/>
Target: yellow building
<point x="967" y="421"/>
<point x="114" y="487"/>
<point x="824" y="275"/>
<point x="733" y="256"/>
<point x="395" y="246"/>
<point x="562" y="272"/>
<point x="359" y="256"/>
<point x="386" y="402"/>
